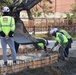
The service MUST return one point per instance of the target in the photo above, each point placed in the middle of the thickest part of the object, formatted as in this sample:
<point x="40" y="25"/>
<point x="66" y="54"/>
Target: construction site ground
<point x="67" y="67"/>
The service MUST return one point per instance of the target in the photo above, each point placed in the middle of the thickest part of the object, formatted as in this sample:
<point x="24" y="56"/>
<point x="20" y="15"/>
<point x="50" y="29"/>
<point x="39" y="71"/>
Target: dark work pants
<point x="66" y="53"/>
<point x="16" y="46"/>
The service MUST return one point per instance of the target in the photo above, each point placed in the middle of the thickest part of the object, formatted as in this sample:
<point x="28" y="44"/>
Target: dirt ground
<point x="67" y="67"/>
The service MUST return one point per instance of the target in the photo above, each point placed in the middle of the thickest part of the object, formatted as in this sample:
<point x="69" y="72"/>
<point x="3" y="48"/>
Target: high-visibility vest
<point x="59" y="40"/>
<point x="65" y="33"/>
<point x="7" y="24"/>
<point x="41" y="45"/>
<point x="42" y="41"/>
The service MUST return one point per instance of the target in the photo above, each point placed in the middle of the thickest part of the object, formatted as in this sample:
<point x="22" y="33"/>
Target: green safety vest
<point x="65" y="33"/>
<point x="7" y="24"/>
<point x="42" y="41"/>
<point x="41" y="45"/>
<point x="59" y="40"/>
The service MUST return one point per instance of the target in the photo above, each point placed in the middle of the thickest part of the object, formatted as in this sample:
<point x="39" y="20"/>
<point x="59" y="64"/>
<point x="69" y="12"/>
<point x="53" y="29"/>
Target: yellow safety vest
<point x="65" y="33"/>
<point x="41" y="45"/>
<point x="59" y="40"/>
<point x="7" y="24"/>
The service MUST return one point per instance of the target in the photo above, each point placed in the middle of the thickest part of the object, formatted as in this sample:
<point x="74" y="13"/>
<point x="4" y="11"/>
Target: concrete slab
<point x="27" y="57"/>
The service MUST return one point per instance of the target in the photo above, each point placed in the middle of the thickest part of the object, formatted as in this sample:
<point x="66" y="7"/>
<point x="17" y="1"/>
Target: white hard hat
<point x="55" y="29"/>
<point x="6" y="9"/>
<point x="52" y="31"/>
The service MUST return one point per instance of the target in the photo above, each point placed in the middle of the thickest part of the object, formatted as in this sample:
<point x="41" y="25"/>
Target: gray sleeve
<point x="61" y="37"/>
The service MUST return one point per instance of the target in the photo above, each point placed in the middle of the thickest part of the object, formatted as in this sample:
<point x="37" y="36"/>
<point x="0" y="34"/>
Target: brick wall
<point x="57" y="5"/>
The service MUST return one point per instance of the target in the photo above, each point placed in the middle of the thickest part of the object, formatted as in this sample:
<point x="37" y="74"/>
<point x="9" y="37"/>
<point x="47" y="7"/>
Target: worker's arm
<point x="11" y="33"/>
<point x="12" y="24"/>
<point x="0" y="25"/>
<point x="1" y="32"/>
<point x="61" y="38"/>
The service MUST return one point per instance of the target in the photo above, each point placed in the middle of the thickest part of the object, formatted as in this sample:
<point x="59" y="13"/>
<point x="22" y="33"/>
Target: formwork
<point x="32" y="63"/>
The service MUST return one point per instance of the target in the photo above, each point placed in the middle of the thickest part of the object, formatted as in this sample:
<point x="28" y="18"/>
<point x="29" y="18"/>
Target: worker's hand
<point x="56" y="43"/>
<point x="6" y="37"/>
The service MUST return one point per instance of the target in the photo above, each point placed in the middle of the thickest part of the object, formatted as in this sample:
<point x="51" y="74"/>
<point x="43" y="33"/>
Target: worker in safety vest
<point x="42" y="44"/>
<point x="7" y="27"/>
<point x="69" y="40"/>
<point x="62" y="41"/>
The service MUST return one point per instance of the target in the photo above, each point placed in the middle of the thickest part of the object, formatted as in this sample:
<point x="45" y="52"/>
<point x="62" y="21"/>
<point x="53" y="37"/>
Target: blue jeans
<point x="10" y="43"/>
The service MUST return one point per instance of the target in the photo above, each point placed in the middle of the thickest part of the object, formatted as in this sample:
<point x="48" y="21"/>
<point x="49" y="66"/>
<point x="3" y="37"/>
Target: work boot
<point x="14" y="62"/>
